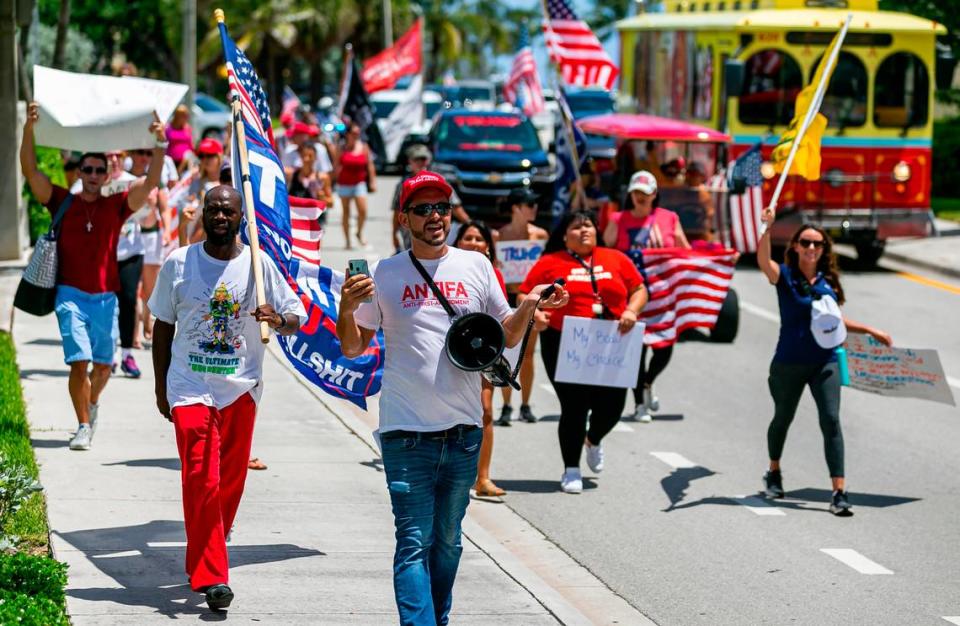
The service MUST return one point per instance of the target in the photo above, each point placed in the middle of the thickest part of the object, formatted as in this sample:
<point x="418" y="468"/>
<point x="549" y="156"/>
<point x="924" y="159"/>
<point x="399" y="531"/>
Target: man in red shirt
<point x="87" y="276"/>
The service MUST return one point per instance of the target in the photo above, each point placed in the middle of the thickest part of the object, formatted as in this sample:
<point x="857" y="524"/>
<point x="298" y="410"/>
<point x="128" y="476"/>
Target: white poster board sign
<point x="517" y="257"/>
<point x="91" y="113"/>
<point x="898" y="372"/>
<point x="593" y="352"/>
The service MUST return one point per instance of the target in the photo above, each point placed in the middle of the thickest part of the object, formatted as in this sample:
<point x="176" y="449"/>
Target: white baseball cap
<point x="643" y="181"/>
<point x="826" y="323"/>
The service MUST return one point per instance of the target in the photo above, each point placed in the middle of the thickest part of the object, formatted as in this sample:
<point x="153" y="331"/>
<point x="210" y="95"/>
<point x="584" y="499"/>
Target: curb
<point x="919" y="263"/>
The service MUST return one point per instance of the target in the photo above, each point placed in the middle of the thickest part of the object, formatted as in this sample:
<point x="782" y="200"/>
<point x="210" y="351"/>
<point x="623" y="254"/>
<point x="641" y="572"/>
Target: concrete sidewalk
<point x="938" y="254"/>
<point x="313" y="542"/>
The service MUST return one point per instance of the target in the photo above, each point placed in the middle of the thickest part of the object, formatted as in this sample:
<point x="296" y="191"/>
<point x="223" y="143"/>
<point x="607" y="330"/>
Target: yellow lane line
<point x="929" y="282"/>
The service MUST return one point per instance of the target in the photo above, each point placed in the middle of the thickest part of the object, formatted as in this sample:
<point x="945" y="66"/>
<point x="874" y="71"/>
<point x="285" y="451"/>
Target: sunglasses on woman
<point x="810" y="243"/>
<point x="425" y="210"/>
<point x="89" y="169"/>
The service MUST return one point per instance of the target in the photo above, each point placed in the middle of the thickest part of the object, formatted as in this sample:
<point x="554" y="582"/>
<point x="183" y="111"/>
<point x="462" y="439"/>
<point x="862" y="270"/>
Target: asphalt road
<point x="675" y="524"/>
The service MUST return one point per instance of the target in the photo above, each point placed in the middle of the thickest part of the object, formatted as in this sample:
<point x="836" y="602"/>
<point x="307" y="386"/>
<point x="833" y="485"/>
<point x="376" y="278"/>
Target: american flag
<point x="291" y="102"/>
<point x="305" y="230"/>
<point x="575" y="49"/>
<point x="523" y="86"/>
<point x="745" y="208"/>
<point x="687" y="289"/>
<point x="243" y="81"/>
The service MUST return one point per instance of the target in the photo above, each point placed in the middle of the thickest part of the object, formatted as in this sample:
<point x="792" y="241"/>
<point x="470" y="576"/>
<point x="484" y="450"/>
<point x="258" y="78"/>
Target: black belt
<point x="150" y="229"/>
<point x="454" y="431"/>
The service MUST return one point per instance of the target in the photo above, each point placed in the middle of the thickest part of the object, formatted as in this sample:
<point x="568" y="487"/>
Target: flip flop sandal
<point x="256" y="464"/>
<point x="489" y="490"/>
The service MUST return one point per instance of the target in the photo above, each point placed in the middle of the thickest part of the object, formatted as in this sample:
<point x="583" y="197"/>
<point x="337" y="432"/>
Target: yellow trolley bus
<point x="737" y="65"/>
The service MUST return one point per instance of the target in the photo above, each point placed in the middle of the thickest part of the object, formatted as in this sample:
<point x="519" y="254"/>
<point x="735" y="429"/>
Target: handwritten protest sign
<point x="900" y="372"/>
<point x="593" y="352"/>
<point x="517" y="257"/>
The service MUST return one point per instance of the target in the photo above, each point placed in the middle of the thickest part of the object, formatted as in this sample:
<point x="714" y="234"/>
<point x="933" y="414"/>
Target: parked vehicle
<point x="472" y="94"/>
<point x="741" y="71"/>
<point x="646" y="142"/>
<point x="209" y="117"/>
<point x="485" y="154"/>
<point x="590" y="101"/>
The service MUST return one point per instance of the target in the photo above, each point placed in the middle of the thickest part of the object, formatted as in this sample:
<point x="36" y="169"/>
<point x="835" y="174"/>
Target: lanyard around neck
<point x="589" y="268"/>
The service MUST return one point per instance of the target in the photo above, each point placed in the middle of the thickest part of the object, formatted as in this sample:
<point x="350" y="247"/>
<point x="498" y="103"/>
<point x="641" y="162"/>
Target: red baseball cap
<point x="424" y="180"/>
<point x="301" y="127"/>
<point x="210" y="146"/>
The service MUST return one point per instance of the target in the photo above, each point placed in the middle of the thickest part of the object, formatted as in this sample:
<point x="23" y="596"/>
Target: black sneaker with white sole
<point x="773" y="484"/>
<point x="840" y="505"/>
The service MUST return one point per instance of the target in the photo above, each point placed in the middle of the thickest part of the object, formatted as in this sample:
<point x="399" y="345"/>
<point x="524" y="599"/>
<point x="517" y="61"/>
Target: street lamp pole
<point x="188" y="60"/>
<point x="387" y="24"/>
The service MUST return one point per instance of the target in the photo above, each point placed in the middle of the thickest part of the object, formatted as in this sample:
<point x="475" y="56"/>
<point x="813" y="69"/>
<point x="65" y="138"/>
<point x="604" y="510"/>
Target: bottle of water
<point x="842" y="364"/>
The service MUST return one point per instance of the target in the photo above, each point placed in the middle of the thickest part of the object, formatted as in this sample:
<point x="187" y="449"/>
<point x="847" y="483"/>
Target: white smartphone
<point x="359" y="266"/>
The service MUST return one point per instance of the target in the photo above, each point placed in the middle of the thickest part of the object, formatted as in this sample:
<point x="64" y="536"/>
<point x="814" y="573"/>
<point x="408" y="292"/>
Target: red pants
<point x="214" y="450"/>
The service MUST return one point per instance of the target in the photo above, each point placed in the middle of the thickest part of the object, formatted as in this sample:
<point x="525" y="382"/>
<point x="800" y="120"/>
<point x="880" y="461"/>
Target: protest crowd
<point x="199" y="249"/>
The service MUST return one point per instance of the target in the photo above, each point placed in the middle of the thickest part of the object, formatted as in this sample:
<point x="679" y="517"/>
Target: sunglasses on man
<point x="810" y="243"/>
<point x="89" y="169"/>
<point x="443" y="209"/>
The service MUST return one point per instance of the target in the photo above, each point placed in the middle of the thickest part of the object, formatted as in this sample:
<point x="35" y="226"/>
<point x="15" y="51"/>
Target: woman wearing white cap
<point x="631" y="231"/>
<point x="806" y="351"/>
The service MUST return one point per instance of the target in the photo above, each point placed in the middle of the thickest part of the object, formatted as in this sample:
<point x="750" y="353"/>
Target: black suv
<point x="485" y="154"/>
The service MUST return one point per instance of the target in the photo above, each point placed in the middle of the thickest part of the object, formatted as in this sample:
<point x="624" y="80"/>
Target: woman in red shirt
<point x="477" y="237"/>
<point x="602" y="283"/>
<point x="645" y="226"/>
<point x="356" y="176"/>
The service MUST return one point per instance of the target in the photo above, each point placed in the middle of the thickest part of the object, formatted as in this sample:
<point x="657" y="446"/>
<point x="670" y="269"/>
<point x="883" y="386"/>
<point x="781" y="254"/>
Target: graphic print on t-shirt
<point x="418" y="295"/>
<point x="218" y="334"/>
<point x="581" y="275"/>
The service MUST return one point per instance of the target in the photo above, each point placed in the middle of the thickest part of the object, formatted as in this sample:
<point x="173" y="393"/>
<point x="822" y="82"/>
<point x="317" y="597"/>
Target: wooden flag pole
<point x="807" y="120"/>
<point x="240" y="137"/>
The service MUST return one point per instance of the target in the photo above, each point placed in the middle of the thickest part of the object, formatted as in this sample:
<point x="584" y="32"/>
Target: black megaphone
<point x="475" y="343"/>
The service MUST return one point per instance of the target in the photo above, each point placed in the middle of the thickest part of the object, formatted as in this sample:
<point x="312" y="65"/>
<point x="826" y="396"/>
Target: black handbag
<point x="37" y="291"/>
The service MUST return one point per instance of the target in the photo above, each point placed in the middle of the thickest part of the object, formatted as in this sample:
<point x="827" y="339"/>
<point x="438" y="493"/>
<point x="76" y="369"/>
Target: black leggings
<point x="787" y="381"/>
<point x="130" y="271"/>
<point x="646" y="375"/>
<point x="604" y="405"/>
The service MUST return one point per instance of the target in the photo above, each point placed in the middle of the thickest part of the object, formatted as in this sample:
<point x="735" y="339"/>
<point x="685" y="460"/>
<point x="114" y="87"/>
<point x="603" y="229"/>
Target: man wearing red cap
<point x="430" y="412"/>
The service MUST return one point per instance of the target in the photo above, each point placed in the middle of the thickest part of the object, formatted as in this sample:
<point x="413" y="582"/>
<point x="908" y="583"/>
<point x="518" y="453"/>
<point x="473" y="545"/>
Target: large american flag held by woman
<point x="575" y="49"/>
<point x="687" y="289"/>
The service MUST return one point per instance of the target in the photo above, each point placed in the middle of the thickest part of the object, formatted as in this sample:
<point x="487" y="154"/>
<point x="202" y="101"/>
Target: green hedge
<point x="30" y="522"/>
<point x="50" y="163"/>
<point x="946" y="157"/>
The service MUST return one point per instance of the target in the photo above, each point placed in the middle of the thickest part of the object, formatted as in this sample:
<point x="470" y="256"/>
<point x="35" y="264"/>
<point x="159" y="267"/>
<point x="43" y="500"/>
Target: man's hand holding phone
<point x="358" y="287"/>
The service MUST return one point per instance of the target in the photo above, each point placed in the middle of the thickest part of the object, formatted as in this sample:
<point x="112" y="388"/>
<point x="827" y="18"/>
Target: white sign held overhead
<point x="91" y="113"/>
<point x="593" y="352"/>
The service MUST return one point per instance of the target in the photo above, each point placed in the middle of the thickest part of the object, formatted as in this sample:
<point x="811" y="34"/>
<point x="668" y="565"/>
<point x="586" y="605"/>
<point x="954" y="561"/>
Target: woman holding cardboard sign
<point x="811" y="330"/>
<point x="603" y="284"/>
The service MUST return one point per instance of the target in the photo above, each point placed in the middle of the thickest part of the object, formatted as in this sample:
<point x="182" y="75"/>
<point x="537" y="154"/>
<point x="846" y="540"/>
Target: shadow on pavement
<point x="676" y="484"/>
<point x="874" y="500"/>
<point x="153" y="576"/>
<point x="674" y="417"/>
<point x="170" y="464"/>
<point x="61" y="373"/>
<point x="49" y="443"/>
<point x="539" y="486"/>
<point x="375" y="464"/>
<point x="45" y="342"/>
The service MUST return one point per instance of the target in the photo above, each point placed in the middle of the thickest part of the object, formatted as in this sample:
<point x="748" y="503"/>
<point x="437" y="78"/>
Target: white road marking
<point x="953" y="619"/>
<point x="756" y="505"/>
<point x="760" y="312"/>
<point x="857" y="561"/>
<point x="116" y="555"/>
<point x="166" y="544"/>
<point x="770" y="316"/>
<point x="622" y="428"/>
<point x="674" y="460"/>
<point x="548" y="388"/>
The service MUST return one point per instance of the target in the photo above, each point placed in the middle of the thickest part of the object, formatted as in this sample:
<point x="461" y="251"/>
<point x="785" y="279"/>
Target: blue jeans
<point x="429" y="476"/>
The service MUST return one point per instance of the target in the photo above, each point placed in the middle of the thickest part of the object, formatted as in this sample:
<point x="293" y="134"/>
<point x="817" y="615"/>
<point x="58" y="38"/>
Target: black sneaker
<point x="526" y="414"/>
<point x="840" y="505"/>
<point x="505" y="413"/>
<point x="773" y="484"/>
<point x="218" y="597"/>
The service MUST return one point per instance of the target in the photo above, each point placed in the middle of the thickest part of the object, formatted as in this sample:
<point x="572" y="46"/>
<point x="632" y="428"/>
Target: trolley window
<point x="772" y="79"/>
<point x="845" y="103"/>
<point x="902" y="92"/>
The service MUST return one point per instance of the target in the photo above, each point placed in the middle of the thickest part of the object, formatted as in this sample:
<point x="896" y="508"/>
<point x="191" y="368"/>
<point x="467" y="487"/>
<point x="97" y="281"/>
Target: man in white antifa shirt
<point x="430" y="413"/>
<point x="208" y="361"/>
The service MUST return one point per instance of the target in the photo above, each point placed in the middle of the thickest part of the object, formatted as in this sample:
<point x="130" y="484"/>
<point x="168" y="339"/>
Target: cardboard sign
<point x="91" y="113"/>
<point x="898" y="372"/>
<point x="593" y="352"/>
<point x="517" y="257"/>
